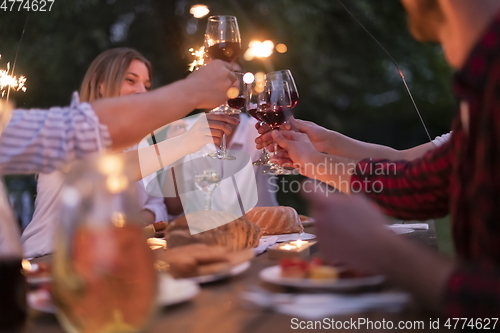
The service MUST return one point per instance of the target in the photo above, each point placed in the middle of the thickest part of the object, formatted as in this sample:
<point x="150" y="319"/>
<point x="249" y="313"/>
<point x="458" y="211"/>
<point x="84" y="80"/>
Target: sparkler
<point x="199" y="58"/>
<point x="7" y="81"/>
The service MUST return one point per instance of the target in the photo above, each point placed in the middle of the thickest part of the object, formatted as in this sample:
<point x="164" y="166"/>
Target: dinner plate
<point x="170" y="291"/>
<point x="292" y="237"/>
<point x="273" y="275"/>
<point x="173" y="291"/>
<point x="236" y="270"/>
<point x="400" y="230"/>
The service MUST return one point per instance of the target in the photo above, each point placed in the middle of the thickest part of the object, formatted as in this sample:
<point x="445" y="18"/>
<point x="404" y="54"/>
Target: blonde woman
<point x="115" y="72"/>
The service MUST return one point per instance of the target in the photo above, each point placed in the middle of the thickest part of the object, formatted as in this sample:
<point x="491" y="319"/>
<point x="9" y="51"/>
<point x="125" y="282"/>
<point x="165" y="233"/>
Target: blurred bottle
<point x="103" y="270"/>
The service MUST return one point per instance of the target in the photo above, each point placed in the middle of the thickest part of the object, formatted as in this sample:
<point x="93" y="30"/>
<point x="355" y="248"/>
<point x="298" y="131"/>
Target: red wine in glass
<point x="236" y="103"/>
<point x="226" y="51"/>
<point x="294" y="97"/>
<point x="254" y="113"/>
<point x="275" y="117"/>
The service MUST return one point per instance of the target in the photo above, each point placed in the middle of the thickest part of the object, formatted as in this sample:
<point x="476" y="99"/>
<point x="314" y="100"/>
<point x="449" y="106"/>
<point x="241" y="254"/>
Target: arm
<point x="408" y="190"/>
<point x="42" y="141"/>
<point x="334" y="143"/>
<point x="351" y="230"/>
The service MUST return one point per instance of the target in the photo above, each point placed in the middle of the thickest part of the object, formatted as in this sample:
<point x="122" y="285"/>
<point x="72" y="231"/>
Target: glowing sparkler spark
<point x="199" y="58"/>
<point x="8" y="81"/>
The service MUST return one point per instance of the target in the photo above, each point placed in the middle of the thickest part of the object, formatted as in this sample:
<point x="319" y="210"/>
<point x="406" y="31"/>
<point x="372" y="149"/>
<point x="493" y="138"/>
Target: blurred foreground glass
<point x="103" y="270"/>
<point x="12" y="281"/>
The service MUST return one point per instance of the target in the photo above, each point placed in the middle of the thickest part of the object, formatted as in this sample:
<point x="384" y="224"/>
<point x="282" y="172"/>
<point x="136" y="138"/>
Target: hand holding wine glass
<point x="223" y="42"/>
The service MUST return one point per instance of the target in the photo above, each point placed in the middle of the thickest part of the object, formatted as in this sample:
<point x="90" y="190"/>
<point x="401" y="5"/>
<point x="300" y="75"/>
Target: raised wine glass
<point x="276" y="103"/>
<point x="223" y="41"/>
<point x="235" y="102"/>
<point x="254" y="90"/>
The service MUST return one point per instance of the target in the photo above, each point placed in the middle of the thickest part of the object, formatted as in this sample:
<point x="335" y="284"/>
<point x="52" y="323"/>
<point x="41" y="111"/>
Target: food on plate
<point x="276" y="220"/>
<point x="201" y="259"/>
<point x="323" y="272"/>
<point x="306" y="220"/>
<point x="302" y="269"/>
<point x="236" y="235"/>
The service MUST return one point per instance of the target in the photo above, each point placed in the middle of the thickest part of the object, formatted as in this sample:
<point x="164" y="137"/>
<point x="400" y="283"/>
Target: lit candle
<point x="288" y="247"/>
<point x="299" y="243"/>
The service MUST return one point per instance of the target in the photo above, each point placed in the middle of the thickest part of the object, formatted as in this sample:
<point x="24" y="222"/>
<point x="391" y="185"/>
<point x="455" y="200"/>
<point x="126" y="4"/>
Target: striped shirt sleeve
<point x="41" y="141"/>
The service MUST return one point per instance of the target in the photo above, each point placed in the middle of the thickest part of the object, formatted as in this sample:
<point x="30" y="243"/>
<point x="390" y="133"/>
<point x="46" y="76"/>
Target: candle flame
<point x="298" y="243"/>
<point x="288" y="247"/>
<point x="7" y="81"/>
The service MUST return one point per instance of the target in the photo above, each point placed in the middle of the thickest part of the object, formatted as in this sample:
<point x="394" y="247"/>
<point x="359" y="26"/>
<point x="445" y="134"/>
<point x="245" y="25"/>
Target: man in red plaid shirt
<point x="462" y="177"/>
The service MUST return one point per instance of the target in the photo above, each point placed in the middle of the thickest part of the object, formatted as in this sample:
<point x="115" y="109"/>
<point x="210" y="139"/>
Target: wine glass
<point x="223" y="41"/>
<point x="276" y="103"/>
<point x="254" y="91"/>
<point x="234" y="104"/>
<point x="207" y="181"/>
<point x="104" y="277"/>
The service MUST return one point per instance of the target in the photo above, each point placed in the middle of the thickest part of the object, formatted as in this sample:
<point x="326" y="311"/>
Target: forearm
<point x="151" y="110"/>
<point x="333" y="170"/>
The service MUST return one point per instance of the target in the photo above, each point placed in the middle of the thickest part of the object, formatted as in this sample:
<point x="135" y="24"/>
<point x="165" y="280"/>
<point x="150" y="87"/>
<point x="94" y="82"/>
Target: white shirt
<point x="37" y="238"/>
<point x="225" y="195"/>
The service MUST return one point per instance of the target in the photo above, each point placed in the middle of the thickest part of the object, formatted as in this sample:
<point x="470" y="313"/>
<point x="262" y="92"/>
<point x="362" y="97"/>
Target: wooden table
<point x="219" y="308"/>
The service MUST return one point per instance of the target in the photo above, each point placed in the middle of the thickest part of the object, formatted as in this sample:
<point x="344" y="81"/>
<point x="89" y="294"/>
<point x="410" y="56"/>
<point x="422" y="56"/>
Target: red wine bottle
<point x="226" y="51"/>
<point x="236" y="103"/>
<point x="13" y="307"/>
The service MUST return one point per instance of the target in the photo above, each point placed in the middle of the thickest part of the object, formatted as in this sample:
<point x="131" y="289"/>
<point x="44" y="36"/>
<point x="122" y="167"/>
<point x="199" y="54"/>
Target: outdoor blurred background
<point x="345" y="80"/>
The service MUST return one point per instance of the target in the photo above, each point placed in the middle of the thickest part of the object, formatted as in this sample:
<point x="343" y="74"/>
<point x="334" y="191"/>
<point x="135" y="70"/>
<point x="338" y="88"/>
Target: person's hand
<point x="350" y="229"/>
<point x="297" y="152"/>
<point x="209" y="84"/>
<point x="218" y="124"/>
<point x="319" y="136"/>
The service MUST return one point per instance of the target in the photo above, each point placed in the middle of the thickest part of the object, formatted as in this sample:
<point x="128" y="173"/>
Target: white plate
<point x="170" y="291"/>
<point x="400" y="230"/>
<point x="292" y="237"/>
<point x="273" y="275"/>
<point x="238" y="269"/>
<point x="173" y="291"/>
<point x="39" y="279"/>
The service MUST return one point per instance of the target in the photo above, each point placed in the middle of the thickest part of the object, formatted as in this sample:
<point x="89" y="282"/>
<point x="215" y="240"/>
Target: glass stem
<point x="208" y="201"/>
<point x="223" y="144"/>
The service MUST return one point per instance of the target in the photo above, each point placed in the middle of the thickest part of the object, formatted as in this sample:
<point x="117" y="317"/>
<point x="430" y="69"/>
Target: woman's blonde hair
<point x="109" y="69"/>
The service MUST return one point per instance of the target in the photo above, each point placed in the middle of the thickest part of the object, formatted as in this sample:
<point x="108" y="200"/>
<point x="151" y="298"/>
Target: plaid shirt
<point x="462" y="177"/>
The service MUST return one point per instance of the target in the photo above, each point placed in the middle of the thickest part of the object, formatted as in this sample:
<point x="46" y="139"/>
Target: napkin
<point x="318" y="306"/>
<point x="421" y="226"/>
<point x="265" y="243"/>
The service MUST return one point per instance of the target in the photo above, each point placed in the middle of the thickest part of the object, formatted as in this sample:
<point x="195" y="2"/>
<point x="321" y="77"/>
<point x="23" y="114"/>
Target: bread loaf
<point x="236" y="235"/>
<point x="275" y="220"/>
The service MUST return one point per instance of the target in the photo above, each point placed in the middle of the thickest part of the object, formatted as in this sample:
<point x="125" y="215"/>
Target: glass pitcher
<point x="103" y="270"/>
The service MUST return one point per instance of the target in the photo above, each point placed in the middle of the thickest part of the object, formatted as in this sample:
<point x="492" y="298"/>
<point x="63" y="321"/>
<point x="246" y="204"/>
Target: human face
<point x="424" y="19"/>
<point x="136" y="79"/>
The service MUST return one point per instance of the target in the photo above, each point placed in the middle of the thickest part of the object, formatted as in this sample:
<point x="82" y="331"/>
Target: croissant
<point x="275" y="220"/>
<point x="236" y="235"/>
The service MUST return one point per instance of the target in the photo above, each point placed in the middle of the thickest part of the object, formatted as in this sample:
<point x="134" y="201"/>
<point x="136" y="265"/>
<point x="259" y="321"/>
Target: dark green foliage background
<point x="346" y="82"/>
